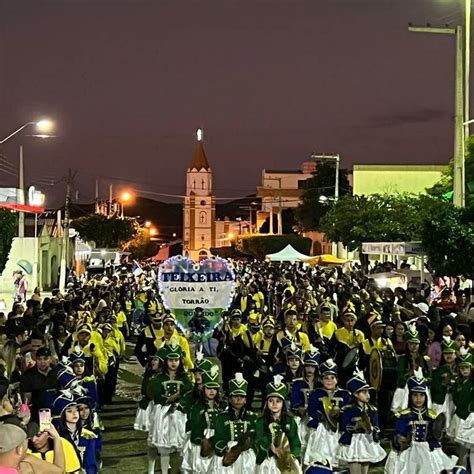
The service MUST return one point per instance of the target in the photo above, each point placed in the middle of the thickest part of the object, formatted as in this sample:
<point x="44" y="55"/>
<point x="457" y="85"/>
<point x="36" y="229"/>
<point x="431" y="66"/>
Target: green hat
<point x="173" y="350"/>
<point x="238" y="386"/>
<point x="448" y="345"/>
<point x="412" y="334"/>
<point x="276" y="388"/>
<point x="464" y="358"/>
<point x="201" y="364"/>
<point x="210" y="379"/>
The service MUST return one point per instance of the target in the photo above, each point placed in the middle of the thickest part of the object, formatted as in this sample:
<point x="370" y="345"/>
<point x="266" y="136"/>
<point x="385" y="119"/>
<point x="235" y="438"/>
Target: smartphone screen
<point x="44" y="419"/>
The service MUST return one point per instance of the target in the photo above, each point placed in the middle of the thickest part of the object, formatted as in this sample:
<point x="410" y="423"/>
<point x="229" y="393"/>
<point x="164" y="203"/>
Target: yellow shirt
<point x="301" y="339"/>
<point x="72" y="463"/>
<point x="261" y="342"/>
<point x="121" y="319"/>
<point x="381" y="344"/>
<point x="327" y="329"/>
<point x="352" y="340"/>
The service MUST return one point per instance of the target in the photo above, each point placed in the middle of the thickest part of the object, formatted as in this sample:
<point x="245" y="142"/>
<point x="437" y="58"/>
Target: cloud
<point x="407" y="118"/>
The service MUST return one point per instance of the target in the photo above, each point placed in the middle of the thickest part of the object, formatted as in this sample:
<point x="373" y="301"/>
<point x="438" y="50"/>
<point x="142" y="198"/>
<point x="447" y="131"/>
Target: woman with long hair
<point x="10" y="354"/>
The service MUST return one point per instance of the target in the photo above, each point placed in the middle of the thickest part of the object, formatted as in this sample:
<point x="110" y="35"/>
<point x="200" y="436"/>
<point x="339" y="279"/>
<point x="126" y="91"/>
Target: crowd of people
<point x="315" y="367"/>
<point x="310" y="369"/>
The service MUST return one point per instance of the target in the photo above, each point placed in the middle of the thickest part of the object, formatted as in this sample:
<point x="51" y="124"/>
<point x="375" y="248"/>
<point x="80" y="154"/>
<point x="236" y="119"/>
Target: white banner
<point x="180" y="295"/>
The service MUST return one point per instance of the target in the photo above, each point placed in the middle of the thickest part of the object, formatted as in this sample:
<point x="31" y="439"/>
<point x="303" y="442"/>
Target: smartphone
<point x="28" y="358"/>
<point x="44" y="419"/>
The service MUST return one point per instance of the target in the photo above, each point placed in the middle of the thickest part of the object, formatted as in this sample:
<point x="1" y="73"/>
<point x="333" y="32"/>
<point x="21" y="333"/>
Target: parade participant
<point x="293" y="369"/>
<point x="226" y="333"/>
<point x="121" y="316"/>
<point x="148" y="340"/>
<point x="443" y="381"/>
<point x="277" y="444"/>
<point x="406" y="366"/>
<point x="262" y="341"/>
<point x="145" y="405"/>
<point x="319" y="467"/>
<point x="345" y="340"/>
<point x="376" y="339"/>
<point x="70" y="427"/>
<point x="415" y="448"/>
<point x="288" y="332"/>
<point x="461" y="429"/>
<point x="171" y="391"/>
<point x="322" y="330"/>
<point x="170" y="333"/>
<point x="92" y="344"/>
<point x="91" y="422"/>
<point x="324" y="408"/>
<point x="198" y="452"/>
<point x="201" y="365"/>
<point x="301" y="391"/>
<point x="235" y="433"/>
<point x="359" y="442"/>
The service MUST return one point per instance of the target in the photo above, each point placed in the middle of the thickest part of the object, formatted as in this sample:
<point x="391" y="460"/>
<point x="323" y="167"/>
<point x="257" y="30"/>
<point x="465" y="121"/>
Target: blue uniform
<point x="349" y="417"/>
<point x="300" y="393"/>
<point x="415" y="425"/>
<point x="339" y="399"/>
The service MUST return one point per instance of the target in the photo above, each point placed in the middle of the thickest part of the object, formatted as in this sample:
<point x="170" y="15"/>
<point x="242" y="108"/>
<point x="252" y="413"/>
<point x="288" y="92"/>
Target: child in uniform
<point x="359" y="442"/>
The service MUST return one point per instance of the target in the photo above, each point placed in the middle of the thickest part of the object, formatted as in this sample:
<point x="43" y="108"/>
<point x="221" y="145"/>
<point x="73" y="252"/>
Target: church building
<point x="199" y="210"/>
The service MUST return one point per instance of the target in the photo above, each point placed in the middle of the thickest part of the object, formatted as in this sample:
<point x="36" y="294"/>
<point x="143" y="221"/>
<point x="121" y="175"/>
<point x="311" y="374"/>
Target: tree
<point x="322" y="183"/>
<point x="444" y="187"/>
<point x="141" y="246"/>
<point x="448" y="238"/>
<point x="8" y="223"/>
<point x="105" y="232"/>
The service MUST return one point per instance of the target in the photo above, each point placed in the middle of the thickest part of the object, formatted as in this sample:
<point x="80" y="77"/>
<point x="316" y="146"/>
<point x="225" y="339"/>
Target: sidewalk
<point x="6" y="300"/>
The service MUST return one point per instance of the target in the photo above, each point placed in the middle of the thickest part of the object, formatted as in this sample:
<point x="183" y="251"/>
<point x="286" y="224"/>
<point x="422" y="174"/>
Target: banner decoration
<point x="185" y="285"/>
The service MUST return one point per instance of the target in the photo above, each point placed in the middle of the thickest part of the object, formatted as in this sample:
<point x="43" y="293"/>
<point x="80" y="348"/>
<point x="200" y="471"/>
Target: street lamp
<point x="124" y="198"/>
<point x="44" y="126"/>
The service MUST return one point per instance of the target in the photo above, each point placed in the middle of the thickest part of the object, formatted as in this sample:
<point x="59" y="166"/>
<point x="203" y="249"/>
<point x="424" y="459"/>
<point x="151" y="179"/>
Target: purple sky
<point x="270" y="81"/>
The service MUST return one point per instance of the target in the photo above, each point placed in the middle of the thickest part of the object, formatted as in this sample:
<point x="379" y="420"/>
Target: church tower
<point x="199" y="210"/>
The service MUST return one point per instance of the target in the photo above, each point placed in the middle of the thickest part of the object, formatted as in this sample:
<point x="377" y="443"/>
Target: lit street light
<point x="124" y="198"/>
<point x="43" y="126"/>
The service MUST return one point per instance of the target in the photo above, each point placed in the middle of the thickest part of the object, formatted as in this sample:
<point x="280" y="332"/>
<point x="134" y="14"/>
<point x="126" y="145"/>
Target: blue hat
<point x="328" y="367"/>
<point x="319" y="467"/>
<point x="77" y="356"/>
<point x="294" y="351"/>
<point x="66" y="377"/>
<point x="459" y="470"/>
<point x="357" y="383"/>
<point x="417" y="382"/>
<point x="311" y="357"/>
<point x="65" y="400"/>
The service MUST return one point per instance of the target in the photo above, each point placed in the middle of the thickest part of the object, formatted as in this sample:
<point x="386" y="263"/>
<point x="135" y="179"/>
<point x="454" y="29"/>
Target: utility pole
<point x="459" y="110"/>
<point x="96" y="196"/>
<point x="21" y="185"/>
<point x="467" y="66"/>
<point x="65" y="244"/>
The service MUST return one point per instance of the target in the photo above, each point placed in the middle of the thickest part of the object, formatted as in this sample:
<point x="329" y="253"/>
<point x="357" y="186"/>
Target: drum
<point x="382" y="370"/>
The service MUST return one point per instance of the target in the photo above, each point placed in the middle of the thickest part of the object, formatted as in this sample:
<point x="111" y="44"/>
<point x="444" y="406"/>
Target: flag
<point x="136" y="268"/>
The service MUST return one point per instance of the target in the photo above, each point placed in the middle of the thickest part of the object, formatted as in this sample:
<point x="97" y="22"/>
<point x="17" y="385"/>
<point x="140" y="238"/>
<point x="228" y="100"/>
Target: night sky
<point x="128" y="82"/>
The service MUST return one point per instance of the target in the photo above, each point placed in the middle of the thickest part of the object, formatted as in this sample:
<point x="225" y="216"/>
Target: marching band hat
<point x="375" y="319"/>
<point x="357" y="383"/>
<point x="238" y="385"/>
<point x="319" y="467"/>
<point x="311" y="357"/>
<point x="65" y="400"/>
<point x="172" y="350"/>
<point x="464" y="358"/>
<point x="268" y="321"/>
<point x="210" y="378"/>
<point x="169" y="318"/>
<point x="236" y="313"/>
<point x="85" y="328"/>
<point x="412" y="334"/>
<point x="448" y="345"/>
<point x="328" y="367"/>
<point x="417" y="382"/>
<point x="293" y="351"/>
<point x="201" y="364"/>
<point x="276" y="388"/>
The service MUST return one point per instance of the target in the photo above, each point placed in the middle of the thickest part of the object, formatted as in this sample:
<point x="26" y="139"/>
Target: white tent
<point x="288" y="254"/>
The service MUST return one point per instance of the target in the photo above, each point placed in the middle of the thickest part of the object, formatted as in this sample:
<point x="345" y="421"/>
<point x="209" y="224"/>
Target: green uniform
<point x="463" y="398"/>
<point x="143" y="403"/>
<point x="265" y="437"/>
<point x="163" y="387"/>
<point x="202" y="417"/>
<point x="442" y="382"/>
<point x="229" y="428"/>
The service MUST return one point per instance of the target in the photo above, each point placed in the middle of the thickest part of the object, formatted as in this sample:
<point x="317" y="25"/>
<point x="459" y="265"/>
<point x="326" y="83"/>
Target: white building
<point x="199" y="210"/>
